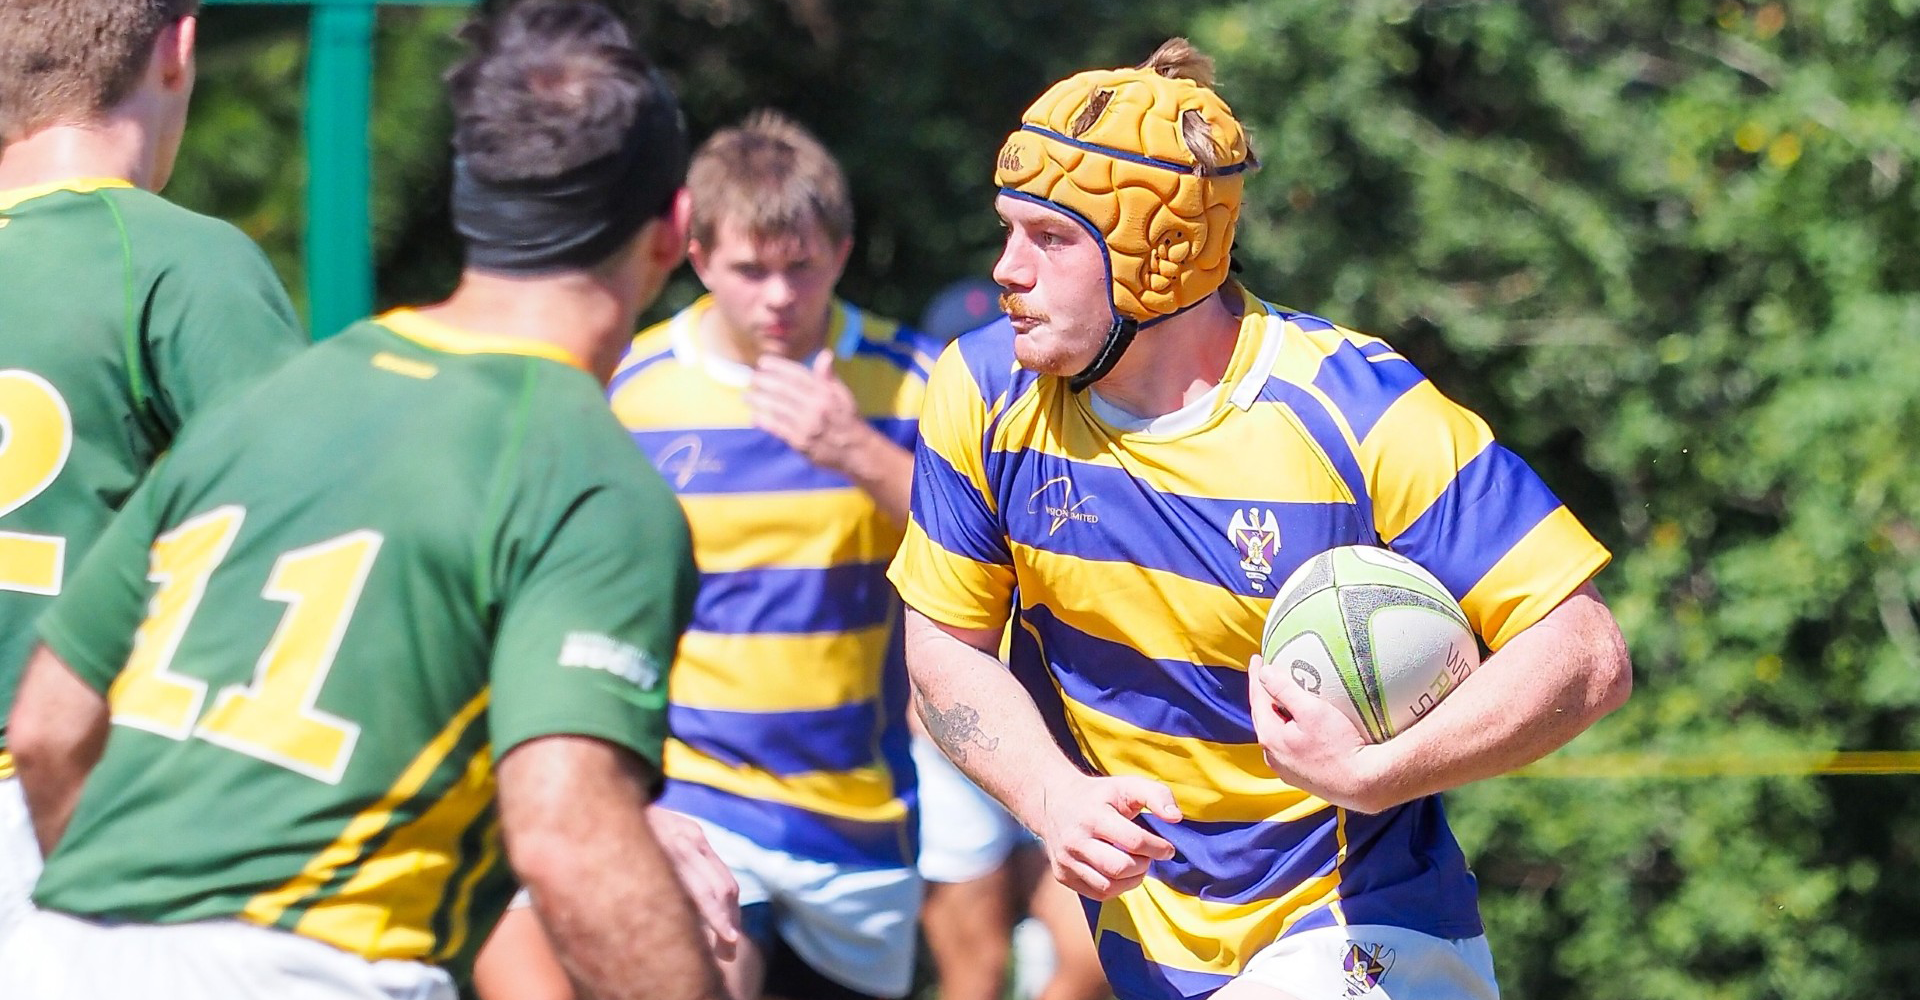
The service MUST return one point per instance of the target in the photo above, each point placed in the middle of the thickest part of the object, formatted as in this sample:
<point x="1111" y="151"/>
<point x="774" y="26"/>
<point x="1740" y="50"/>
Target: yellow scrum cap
<point x="1109" y="147"/>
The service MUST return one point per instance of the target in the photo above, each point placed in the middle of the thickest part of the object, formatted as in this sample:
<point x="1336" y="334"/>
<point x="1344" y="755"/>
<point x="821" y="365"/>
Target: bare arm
<point x="575" y="814"/>
<point x="1543" y="688"/>
<point x="984" y="721"/>
<point x="57" y="732"/>
<point x="813" y="411"/>
<point x="981" y="717"/>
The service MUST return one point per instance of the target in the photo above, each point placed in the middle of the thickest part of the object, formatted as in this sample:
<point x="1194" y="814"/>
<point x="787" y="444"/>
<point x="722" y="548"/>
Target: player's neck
<point x="117" y="146"/>
<point x="1175" y="362"/>
<point x="577" y="312"/>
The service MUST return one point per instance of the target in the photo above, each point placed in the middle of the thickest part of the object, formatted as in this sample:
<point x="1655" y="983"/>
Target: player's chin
<point x="1036" y="355"/>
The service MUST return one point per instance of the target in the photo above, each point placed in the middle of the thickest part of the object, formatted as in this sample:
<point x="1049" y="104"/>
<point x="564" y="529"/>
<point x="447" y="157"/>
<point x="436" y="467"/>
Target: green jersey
<point x="121" y="316"/>
<point x="329" y="611"/>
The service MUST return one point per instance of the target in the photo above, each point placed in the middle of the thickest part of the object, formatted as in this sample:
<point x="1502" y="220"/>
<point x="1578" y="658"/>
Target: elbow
<point x="542" y="858"/>
<point x="545" y="849"/>
<point x="563" y="800"/>
<point x="34" y="744"/>
<point x="1612" y="677"/>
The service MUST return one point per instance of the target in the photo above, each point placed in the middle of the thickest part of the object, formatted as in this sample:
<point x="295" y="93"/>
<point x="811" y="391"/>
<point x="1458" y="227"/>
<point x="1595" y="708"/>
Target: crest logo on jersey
<point x="1255" y="533"/>
<point x="1366" y="965"/>
<point x="682" y="459"/>
<point x="1060" y="505"/>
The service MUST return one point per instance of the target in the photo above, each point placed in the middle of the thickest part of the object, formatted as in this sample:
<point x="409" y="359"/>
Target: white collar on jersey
<point x="684" y="333"/>
<point x="1245" y="390"/>
<point x="1178" y="421"/>
<point x="1255" y="378"/>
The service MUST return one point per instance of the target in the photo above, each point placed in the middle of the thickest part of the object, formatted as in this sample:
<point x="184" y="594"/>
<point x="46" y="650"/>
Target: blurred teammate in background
<point x="123" y="314"/>
<point x="981" y="867"/>
<point x="361" y="596"/>
<point x="1100" y="455"/>
<point x="783" y="418"/>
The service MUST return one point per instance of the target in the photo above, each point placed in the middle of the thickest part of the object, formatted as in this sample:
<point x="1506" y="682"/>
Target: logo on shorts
<point x="1062" y="507"/>
<point x="1255" y="533"/>
<point x="1366" y="965"/>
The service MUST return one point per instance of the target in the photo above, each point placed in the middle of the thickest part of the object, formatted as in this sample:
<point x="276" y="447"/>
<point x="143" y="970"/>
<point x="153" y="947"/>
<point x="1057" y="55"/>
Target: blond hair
<point x="772" y="178"/>
<point x="1177" y="59"/>
<point x="69" y="61"/>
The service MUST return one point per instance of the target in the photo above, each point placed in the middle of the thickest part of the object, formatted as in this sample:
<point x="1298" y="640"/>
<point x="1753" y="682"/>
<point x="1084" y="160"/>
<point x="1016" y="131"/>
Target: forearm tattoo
<point x="955" y="729"/>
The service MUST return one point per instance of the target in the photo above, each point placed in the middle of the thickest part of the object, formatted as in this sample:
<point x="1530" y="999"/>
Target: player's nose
<point x="1011" y="271"/>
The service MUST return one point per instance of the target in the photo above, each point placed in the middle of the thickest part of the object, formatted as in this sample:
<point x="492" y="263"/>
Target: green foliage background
<point x="1661" y="245"/>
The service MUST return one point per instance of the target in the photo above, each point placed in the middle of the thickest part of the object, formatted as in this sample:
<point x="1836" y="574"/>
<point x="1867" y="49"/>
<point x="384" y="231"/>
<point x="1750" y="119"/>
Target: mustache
<point x="1015" y="306"/>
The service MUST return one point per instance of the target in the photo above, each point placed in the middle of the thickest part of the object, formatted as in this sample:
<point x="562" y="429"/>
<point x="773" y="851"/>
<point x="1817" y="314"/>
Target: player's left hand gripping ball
<point x="1309" y="743"/>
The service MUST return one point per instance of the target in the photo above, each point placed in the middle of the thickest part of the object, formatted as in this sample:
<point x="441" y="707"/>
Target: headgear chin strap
<point x="1119" y="338"/>
<point x="582" y="216"/>
<point x="1107" y="148"/>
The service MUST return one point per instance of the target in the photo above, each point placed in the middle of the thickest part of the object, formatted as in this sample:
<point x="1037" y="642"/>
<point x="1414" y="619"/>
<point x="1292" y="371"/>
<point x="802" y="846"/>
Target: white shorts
<point x="964" y="833"/>
<point x="856" y="925"/>
<point x="52" y="956"/>
<point x="19" y="857"/>
<point x="1375" y="962"/>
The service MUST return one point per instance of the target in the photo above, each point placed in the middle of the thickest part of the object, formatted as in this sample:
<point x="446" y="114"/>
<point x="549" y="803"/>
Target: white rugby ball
<point x="1372" y="632"/>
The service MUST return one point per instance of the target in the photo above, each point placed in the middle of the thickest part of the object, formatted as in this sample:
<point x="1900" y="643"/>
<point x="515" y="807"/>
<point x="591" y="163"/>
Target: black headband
<point x="578" y="218"/>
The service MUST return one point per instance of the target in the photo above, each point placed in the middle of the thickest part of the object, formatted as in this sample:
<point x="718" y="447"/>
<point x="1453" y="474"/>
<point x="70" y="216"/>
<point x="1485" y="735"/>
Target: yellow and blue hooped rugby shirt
<point x="788" y="699"/>
<point x="1144" y="561"/>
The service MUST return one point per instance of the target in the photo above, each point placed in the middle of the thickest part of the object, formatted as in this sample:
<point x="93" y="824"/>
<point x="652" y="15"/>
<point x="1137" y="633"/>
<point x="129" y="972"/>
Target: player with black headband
<point x="358" y="654"/>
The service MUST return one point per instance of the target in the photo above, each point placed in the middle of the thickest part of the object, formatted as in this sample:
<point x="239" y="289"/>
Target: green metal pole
<point x="339" y="247"/>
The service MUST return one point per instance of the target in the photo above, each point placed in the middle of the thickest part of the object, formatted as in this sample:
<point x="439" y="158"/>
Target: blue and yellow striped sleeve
<point x="1450" y="497"/>
<point x="954" y="565"/>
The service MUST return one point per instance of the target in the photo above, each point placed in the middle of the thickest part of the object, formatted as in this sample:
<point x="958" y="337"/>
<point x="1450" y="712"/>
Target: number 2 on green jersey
<point x="36" y="436"/>
<point x="274" y="717"/>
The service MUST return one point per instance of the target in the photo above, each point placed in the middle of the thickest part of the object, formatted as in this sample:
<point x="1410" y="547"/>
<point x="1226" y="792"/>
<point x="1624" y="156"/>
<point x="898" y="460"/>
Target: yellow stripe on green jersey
<point x="788" y="698"/>
<point x="350" y="846"/>
<point x="1144" y="559"/>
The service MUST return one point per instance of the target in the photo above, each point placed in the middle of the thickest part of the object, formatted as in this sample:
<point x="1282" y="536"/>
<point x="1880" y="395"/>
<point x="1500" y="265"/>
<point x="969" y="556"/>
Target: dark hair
<point x="67" y="61"/>
<point x="551" y="85"/>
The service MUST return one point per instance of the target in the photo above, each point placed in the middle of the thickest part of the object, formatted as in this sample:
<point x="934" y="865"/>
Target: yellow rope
<point x="1725" y="765"/>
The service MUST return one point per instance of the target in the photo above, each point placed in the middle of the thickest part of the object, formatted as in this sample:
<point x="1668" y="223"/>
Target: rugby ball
<point x="1372" y="632"/>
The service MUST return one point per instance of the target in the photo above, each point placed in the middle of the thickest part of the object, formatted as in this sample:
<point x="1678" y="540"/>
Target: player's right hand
<point x="707" y="879"/>
<point x="1093" y="845"/>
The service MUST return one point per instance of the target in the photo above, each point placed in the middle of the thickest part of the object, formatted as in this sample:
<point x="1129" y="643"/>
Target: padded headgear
<point x="1106" y="147"/>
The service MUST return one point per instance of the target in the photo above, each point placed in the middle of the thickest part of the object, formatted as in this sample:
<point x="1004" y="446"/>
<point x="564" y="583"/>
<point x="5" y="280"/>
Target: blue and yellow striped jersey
<point x="788" y="700"/>
<point x="1145" y="555"/>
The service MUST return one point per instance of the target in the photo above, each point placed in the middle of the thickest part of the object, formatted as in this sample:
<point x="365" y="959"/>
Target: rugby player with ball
<point x="1130" y="467"/>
